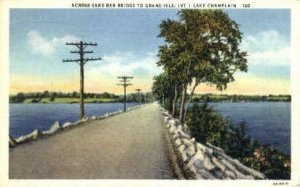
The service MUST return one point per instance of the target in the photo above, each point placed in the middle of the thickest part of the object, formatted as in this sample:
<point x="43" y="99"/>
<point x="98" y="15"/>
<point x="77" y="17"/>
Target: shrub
<point x="238" y="143"/>
<point x="206" y="125"/>
<point x="272" y="163"/>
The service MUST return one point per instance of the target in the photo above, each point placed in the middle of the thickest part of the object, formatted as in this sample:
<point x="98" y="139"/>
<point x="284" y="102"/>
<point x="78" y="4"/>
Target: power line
<point x="124" y="81"/>
<point x="81" y="61"/>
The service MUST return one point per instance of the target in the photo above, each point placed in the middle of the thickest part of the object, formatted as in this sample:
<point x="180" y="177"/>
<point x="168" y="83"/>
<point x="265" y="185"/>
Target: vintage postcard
<point x="150" y="93"/>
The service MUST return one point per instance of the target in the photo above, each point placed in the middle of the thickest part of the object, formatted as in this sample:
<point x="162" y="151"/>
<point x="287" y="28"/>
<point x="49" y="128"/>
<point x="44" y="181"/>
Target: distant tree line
<point x="36" y="97"/>
<point x="238" y="98"/>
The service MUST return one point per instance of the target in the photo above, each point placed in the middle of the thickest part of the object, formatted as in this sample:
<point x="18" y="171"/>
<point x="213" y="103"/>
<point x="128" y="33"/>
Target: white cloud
<point x="280" y="57"/>
<point x="267" y="48"/>
<point x="125" y="63"/>
<point x="47" y="47"/>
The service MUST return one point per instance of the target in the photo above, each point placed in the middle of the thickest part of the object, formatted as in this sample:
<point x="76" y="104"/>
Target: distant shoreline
<point x="58" y="97"/>
<point x="241" y="98"/>
<point x="65" y="101"/>
<point x="99" y="101"/>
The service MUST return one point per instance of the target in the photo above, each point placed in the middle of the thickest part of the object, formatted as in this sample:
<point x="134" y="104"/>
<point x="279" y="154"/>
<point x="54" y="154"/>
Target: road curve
<point x="130" y="145"/>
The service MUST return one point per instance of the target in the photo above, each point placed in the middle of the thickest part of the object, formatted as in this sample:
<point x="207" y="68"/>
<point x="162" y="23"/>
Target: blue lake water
<point x="24" y="118"/>
<point x="268" y="122"/>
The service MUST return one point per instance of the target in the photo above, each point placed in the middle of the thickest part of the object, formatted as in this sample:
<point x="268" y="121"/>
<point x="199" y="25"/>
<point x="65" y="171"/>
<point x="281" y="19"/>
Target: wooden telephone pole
<point x="124" y="82"/>
<point x="81" y="61"/>
<point x="138" y="95"/>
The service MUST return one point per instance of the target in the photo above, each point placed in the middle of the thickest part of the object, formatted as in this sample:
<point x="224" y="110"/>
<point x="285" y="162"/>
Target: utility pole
<point x="124" y="81"/>
<point x="81" y="62"/>
<point x="138" y="95"/>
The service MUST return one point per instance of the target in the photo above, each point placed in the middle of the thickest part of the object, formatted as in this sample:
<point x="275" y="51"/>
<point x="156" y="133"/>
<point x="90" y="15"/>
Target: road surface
<point x="130" y="145"/>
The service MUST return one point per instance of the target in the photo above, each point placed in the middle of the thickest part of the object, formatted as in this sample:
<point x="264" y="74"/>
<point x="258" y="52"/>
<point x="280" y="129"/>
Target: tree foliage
<point x="201" y="47"/>
<point x="206" y="125"/>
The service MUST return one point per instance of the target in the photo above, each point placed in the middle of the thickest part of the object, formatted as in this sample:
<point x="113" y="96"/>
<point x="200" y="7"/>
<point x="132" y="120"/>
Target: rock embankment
<point x="57" y="127"/>
<point x="200" y="161"/>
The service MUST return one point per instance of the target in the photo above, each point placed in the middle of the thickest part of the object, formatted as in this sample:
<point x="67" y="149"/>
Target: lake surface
<point x="24" y="118"/>
<point x="268" y="122"/>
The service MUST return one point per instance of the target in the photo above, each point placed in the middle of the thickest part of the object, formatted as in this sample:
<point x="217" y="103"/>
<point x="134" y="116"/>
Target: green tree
<point x="161" y="88"/>
<point x="167" y="59"/>
<point x="19" y="98"/>
<point x="45" y="93"/>
<point x="239" y="144"/>
<point x="206" y="47"/>
<point x="206" y="125"/>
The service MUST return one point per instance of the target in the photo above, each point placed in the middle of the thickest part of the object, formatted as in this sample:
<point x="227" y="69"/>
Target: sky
<point x="128" y="44"/>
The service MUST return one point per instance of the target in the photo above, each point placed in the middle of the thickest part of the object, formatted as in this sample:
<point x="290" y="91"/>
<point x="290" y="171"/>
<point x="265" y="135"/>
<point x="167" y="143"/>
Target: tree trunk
<point x="190" y="99"/>
<point x="184" y="88"/>
<point x="174" y="102"/>
<point x="182" y="103"/>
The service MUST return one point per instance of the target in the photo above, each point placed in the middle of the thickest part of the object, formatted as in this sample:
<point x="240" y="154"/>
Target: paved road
<point x="131" y="145"/>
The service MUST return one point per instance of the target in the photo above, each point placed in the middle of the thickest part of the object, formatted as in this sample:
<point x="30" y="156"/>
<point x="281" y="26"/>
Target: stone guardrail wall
<point x="57" y="127"/>
<point x="200" y="161"/>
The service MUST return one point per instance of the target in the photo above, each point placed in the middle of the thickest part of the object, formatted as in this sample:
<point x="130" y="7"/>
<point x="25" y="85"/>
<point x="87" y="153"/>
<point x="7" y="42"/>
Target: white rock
<point x="209" y="151"/>
<point x="175" y="136"/>
<point x="228" y="165"/>
<point x="193" y="140"/>
<point x="230" y="174"/>
<point x="244" y="169"/>
<point x="198" y="156"/>
<point x="198" y="176"/>
<point x="172" y="122"/>
<point x="205" y="174"/>
<point x="207" y="163"/>
<point x="100" y="117"/>
<point x="93" y="117"/>
<point x="178" y="142"/>
<point x="218" y="163"/>
<point x="173" y="129"/>
<point x="67" y="124"/>
<point x="184" y="156"/>
<point x="84" y="119"/>
<point x="166" y="119"/>
<point x="250" y="177"/>
<point x="12" y="141"/>
<point x="239" y="175"/>
<point x="218" y="173"/>
<point x="191" y="151"/>
<point x="77" y="122"/>
<point x="201" y="147"/>
<point x="31" y="136"/>
<point x="216" y="148"/>
<point x="192" y="169"/>
<point x="54" y="128"/>
<point x="181" y="148"/>
<point x="198" y="164"/>
<point x="179" y="128"/>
